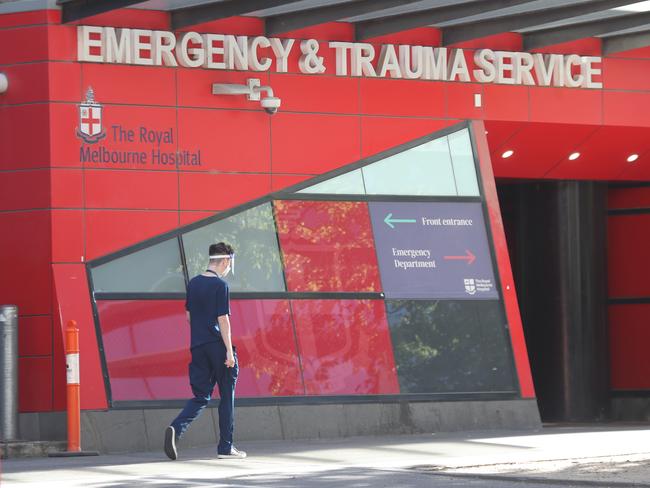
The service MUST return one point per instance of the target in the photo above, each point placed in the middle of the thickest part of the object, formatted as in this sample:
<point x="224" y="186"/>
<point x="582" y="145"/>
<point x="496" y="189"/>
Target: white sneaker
<point x="234" y="454"/>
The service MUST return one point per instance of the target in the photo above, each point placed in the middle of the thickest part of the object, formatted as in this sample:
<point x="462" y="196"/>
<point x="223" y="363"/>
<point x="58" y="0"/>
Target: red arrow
<point x="469" y="257"/>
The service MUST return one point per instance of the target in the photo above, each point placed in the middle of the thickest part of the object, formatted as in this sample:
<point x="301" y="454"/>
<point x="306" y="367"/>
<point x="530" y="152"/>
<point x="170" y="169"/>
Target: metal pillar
<point x="8" y="372"/>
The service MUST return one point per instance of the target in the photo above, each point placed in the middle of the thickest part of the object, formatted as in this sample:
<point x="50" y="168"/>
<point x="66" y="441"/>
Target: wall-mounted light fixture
<point x="4" y="83"/>
<point x="253" y="91"/>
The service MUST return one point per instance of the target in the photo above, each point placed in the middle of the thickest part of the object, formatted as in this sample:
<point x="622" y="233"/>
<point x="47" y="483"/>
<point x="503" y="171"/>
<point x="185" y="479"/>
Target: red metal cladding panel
<point x="20" y="19"/>
<point x="65" y="81"/>
<point x="590" y="46"/>
<point x="508" y="41"/>
<point x="345" y="347"/>
<point x="35" y="384"/>
<point x="66" y="188"/>
<point x="207" y="191"/>
<point x="628" y="242"/>
<point x="626" y="74"/>
<point x="629" y="335"/>
<point x="626" y="108"/>
<point x="339" y="31"/>
<point x="28" y="83"/>
<point x="22" y="190"/>
<point x="240" y="26"/>
<point x="28" y="44"/>
<point x="600" y="157"/>
<point x="416" y="98"/>
<point x="422" y="36"/>
<point x="302" y="93"/>
<point x="156" y="190"/>
<point x="229" y="140"/>
<point x="566" y="105"/>
<point x="35" y="335"/>
<point x="311" y="143"/>
<point x="280" y="182"/>
<point x="146" y="344"/>
<point x="499" y="133"/>
<point x="460" y="100"/>
<point x="266" y="349"/>
<point x="25" y="261"/>
<point x="110" y="230"/>
<point x="188" y="217"/>
<point x="129" y="137"/>
<point x="18" y="149"/>
<point x="59" y="375"/>
<point x="640" y="53"/>
<point x="533" y="157"/>
<point x="73" y="298"/>
<point x="62" y="41"/>
<point x="67" y="236"/>
<point x="381" y="133"/>
<point x="638" y="170"/>
<point x="138" y="85"/>
<point x="327" y="246"/>
<point x="628" y="197"/>
<point x="515" y="327"/>
<point x="194" y="88"/>
<point x="127" y="17"/>
<point x="502" y="102"/>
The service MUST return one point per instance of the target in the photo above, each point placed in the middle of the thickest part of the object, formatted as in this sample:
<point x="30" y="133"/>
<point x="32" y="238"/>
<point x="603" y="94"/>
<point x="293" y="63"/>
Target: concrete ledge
<point x="632" y="409"/>
<point x="22" y="449"/>
<point x="142" y="429"/>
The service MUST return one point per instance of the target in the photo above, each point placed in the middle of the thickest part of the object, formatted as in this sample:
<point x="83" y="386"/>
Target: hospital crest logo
<point x="90" y="128"/>
<point x="470" y="286"/>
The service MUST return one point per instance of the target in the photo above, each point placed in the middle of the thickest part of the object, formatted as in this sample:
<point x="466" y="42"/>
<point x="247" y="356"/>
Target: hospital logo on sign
<point x="90" y="128"/>
<point x="470" y="286"/>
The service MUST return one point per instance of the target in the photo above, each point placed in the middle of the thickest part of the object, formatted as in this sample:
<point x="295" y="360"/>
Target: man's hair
<point x="221" y="248"/>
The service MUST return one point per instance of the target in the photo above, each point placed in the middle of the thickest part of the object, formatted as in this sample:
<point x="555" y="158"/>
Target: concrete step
<point x="24" y="449"/>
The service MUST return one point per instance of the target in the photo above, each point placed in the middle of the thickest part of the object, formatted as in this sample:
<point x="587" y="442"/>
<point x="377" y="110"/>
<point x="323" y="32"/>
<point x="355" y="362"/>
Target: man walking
<point x="214" y="360"/>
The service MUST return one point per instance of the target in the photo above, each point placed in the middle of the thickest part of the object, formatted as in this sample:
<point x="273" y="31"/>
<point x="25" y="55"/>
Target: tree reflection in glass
<point x="252" y="234"/>
<point x="450" y="346"/>
<point x="327" y="246"/>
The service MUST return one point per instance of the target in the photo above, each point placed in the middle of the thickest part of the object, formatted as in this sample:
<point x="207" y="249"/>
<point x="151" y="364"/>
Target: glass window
<point x="346" y="184"/>
<point x="422" y="170"/>
<point x="266" y="349"/>
<point x="154" y="269"/>
<point x="252" y="235"/>
<point x="345" y="347"/>
<point x="327" y="246"/>
<point x="463" y="161"/>
<point x="450" y="346"/>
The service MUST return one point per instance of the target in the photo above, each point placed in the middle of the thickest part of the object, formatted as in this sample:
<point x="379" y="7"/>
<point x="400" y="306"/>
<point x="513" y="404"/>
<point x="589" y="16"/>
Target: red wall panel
<point x="66" y="188"/>
<point x="156" y="190"/>
<point x="35" y="335"/>
<point x="110" y="230"/>
<point x="381" y="133"/>
<point x="628" y="197"/>
<point x="504" y="102"/>
<point x="67" y="236"/>
<point x="35" y="384"/>
<point x="629" y="336"/>
<point x="229" y="140"/>
<point x="416" y="98"/>
<point x="566" y="105"/>
<point x="626" y="108"/>
<point x="460" y="100"/>
<point x="17" y="147"/>
<point x="26" y="278"/>
<point x="28" y="44"/>
<point x="208" y="191"/>
<point x="194" y="88"/>
<point x="28" y="83"/>
<point x="303" y="93"/>
<point x="628" y="242"/>
<point x="626" y="74"/>
<point x="313" y="144"/>
<point x="22" y="190"/>
<point x="345" y="347"/>
<point x="280" y="182"/>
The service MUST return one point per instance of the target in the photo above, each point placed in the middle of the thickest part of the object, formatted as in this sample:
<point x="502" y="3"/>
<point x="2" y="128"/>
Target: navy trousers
<point x="207" y="369"/>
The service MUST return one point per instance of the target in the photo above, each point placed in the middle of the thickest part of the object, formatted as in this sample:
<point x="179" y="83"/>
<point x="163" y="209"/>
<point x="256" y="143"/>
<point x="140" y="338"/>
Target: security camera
<point x="270" y="104"/>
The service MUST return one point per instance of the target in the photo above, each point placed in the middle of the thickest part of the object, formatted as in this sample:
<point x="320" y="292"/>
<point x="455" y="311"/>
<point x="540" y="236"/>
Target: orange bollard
<point x="73" y="394"/>
<point x="72" y="388"/>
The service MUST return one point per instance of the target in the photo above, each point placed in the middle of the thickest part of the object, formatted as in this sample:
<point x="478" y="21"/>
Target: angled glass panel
<point x="422" y="170"/>
<point x="462" y="158"/>
<point x="252" y="235"/>
<point x="154" y="269"/>
<point x="346" y="184"/>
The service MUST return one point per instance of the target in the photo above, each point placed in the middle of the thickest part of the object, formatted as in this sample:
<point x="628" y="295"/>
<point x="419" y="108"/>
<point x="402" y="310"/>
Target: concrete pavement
<point x="611" y="455"/>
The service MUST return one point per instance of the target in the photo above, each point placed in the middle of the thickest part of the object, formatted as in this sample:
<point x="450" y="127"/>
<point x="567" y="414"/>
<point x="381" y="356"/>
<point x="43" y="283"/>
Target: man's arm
<point x="187" y="312"/>
<point x="224" y="326"/>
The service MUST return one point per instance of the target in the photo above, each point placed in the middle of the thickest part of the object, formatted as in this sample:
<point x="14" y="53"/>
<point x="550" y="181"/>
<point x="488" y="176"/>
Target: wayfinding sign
<point x="433" y="250"/>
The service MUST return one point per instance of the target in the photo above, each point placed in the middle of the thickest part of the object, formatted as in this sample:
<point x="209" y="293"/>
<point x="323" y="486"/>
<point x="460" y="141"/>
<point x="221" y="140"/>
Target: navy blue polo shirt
<point x="208" y="297"/>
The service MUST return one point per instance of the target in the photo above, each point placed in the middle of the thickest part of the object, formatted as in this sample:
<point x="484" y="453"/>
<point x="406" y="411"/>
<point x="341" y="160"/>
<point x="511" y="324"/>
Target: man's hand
<point x="230" y="360"/>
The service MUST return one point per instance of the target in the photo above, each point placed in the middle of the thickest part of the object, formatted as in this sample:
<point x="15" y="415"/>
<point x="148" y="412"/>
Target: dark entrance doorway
<point x="556" y="232"/>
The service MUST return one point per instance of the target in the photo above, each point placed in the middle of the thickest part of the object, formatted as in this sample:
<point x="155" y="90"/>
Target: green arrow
<point x="390" y="220"/>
